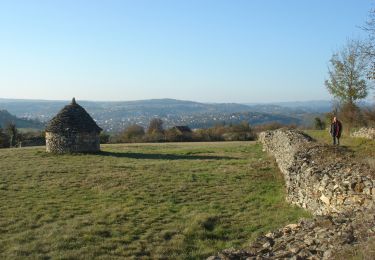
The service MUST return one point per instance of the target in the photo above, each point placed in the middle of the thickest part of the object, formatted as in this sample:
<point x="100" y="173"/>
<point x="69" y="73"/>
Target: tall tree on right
<point x="369" y="50"/>
<point x="347" y="74"/>
<point x="347" y="82"/>
<point x="368" y="47"/>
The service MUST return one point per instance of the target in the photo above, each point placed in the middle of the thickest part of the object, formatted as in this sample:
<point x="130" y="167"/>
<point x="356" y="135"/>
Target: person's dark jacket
<point x="336" y="129"/>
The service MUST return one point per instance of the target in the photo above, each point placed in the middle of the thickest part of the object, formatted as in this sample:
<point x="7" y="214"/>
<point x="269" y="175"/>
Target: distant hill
<point x="114" y="116"/>
<point x="6" y="118"/>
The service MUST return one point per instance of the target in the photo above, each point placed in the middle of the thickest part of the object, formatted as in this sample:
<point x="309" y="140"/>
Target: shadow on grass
<point x="163" y="156"/>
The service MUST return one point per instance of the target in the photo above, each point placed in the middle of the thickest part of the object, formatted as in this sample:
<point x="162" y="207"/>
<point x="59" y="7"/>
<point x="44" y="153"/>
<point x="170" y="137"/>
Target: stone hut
<point x="72" y="130"/>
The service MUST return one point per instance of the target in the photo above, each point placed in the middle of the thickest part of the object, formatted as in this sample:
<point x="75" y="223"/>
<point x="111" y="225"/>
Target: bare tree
<point x="155" y="126"/>
<point x="4" y="139"/>
<point x="368" y="47"/>
<point x="12" y="132"/>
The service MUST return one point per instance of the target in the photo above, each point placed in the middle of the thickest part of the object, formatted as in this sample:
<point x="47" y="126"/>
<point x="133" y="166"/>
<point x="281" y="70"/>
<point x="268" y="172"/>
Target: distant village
<point x="195" y="121"/>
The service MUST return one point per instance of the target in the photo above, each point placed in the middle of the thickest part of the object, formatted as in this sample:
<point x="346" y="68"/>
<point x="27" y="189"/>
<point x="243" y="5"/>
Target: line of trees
<point x="156" y="133"/>
<point x="11" y="137"/>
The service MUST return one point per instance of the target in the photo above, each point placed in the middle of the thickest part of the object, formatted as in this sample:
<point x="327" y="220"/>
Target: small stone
<point x="292" y="226"/>
<point x="282" y="254"/>
<point x="309" y="241"/>
<point x="324" y="199"/>
<point x="327" y="254"/>
<point x="266" y="245"/>
<point x="294" y="250"/>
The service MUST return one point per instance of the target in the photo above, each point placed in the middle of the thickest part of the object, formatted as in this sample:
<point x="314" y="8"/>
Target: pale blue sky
<point x="202" y="50"/>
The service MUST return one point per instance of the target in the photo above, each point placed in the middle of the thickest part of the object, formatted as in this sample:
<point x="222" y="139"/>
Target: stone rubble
<point x="327" y="182"/>
<point x="365" y="132"/>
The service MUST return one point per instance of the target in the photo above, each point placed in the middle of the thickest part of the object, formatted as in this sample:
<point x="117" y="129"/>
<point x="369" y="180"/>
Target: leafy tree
<point x="319" y="124"/>
<point x="4" y="139"/>
<point x="347" y="74"/>
<point x="171" y="135"/>
<point x="244" y="126"/>
<point x="155" y="126"/>
<point x="104" y="138"/>
<point x="133" y="133"/>
<point x="12" y="132"/>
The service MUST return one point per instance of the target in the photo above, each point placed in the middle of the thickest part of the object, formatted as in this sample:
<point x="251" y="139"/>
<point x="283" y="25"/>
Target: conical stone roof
<point x="72" y="118"/>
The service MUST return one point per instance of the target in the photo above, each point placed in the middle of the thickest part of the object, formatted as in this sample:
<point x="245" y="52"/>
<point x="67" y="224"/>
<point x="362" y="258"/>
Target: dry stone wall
<point x="365" y="132"/>
<point x="326" y="181"/>
<point x="321" y="178"/>
<point x="72" y="142"/>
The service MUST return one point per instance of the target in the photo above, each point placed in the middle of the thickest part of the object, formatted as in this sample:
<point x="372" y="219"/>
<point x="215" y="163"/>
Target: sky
<point x="203" y="50"/>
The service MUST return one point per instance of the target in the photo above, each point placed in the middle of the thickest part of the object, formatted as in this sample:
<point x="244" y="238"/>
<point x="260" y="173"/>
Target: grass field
<point x="171" y="201"/>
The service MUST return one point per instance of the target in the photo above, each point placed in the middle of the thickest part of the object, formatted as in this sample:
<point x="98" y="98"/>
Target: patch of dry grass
<point x="363" y="251"/>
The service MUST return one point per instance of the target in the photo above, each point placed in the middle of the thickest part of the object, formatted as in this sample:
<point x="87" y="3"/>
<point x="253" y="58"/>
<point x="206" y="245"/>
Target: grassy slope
<point x="137" y="201"/>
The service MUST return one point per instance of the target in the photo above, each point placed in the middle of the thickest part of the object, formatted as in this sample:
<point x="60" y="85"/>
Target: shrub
<point x="4" y="139"/>
<point x="319" y="124"/>
<point x="32" y="138"/>
<point x="104" y="138"/>
<point x="133" y="133"/>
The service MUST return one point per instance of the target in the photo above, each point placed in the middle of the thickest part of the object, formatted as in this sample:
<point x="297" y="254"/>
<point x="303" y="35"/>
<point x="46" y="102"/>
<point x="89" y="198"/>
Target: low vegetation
<point x="186" y="200"/>
<point x="362" y="149"/>
<point x="363" y="251"/>
<point x="156" y="133"/>
<point x="12" y="136"/>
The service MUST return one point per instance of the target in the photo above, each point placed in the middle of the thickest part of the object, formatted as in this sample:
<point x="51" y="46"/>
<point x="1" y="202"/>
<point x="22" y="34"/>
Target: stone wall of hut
<point x="72" y="142"/>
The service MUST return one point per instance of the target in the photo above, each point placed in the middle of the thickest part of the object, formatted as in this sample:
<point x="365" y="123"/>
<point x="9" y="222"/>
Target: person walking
<point x="336" y="129"/>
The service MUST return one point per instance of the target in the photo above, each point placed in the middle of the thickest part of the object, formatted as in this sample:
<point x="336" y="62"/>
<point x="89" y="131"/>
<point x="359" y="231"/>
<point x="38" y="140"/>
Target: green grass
<point x="171" y="201"/>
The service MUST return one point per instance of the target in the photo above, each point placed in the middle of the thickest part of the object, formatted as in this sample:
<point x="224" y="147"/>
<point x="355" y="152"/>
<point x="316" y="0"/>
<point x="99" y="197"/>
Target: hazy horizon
<point x="205" y="51"/>
<point x="135" y="100"/>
